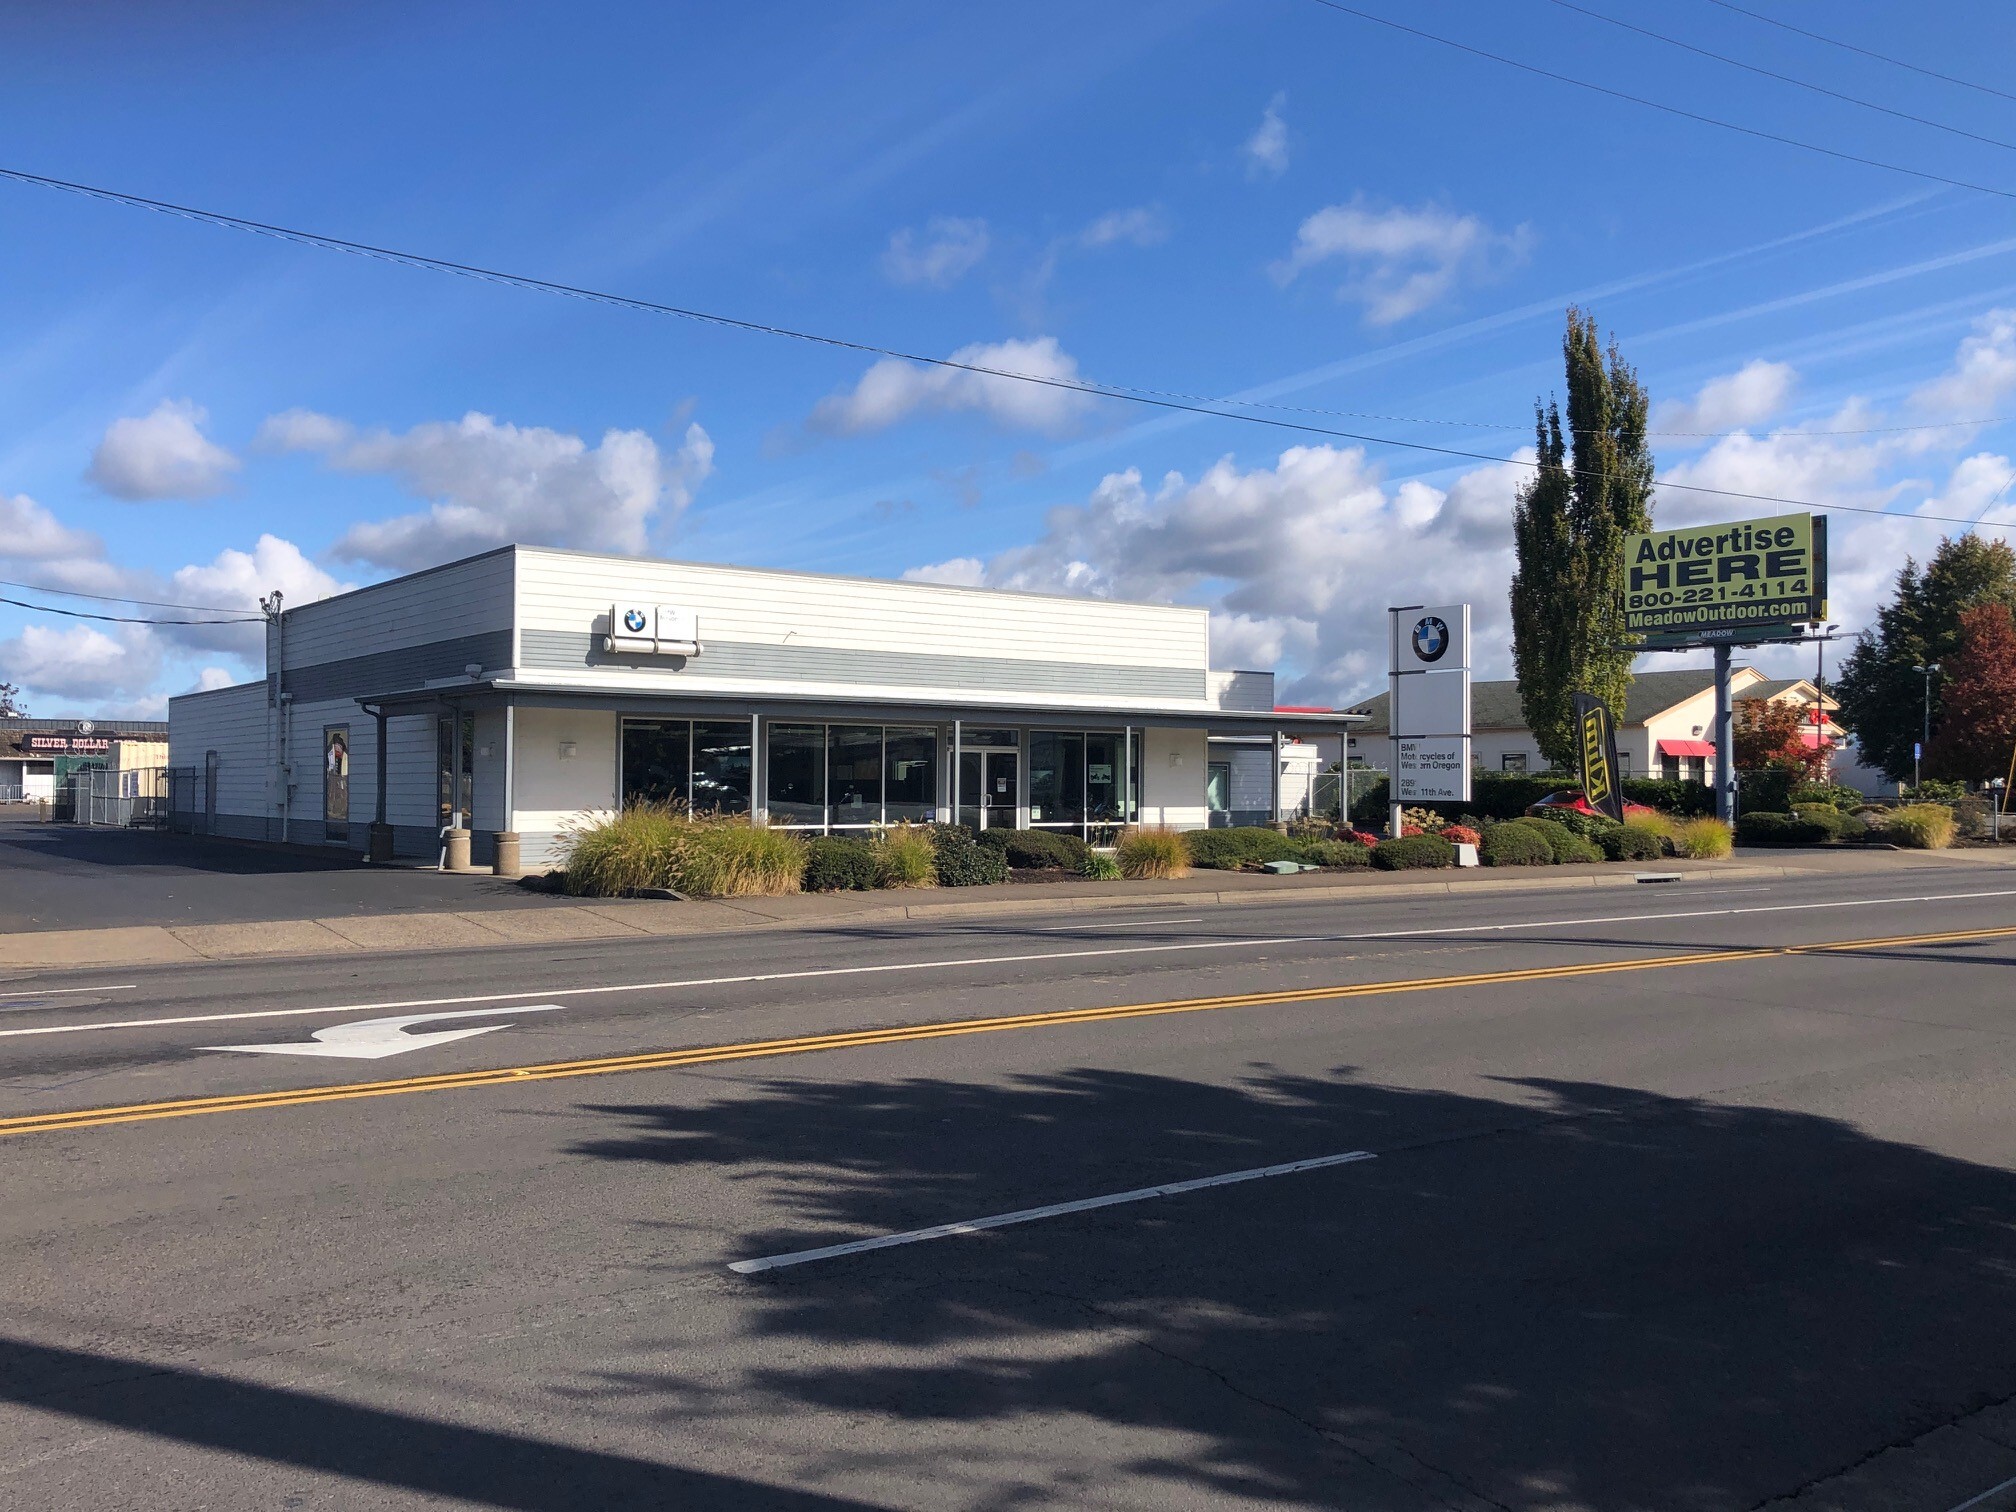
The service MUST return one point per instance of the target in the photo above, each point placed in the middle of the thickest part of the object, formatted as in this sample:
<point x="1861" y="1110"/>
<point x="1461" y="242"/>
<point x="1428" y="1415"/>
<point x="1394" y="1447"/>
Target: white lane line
<point x="1031" y="1215"/>
<point x="1119" y="924"/>
<point x="54" y="991"/>
<point x="1245" y="942"/>
<point x="1975" y="1501"/>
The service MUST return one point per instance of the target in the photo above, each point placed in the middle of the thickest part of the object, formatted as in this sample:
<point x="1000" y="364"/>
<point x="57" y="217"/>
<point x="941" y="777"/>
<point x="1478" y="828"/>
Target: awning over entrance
<point x="1686" y="748"/>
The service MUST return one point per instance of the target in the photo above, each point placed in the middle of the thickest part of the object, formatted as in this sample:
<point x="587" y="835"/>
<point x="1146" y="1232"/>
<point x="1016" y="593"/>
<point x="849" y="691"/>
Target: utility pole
<point x="1820" y="683"/>
<point x="1925" y="730"/>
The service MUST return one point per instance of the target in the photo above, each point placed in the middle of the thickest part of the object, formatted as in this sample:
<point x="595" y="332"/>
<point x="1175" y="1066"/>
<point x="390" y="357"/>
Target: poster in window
<point x="336" y="774"/>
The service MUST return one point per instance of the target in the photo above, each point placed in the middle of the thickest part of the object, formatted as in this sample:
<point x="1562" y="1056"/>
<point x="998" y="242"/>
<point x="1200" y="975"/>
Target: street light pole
<point x="1820" y="684"/>
<point x="1925" y="729"/>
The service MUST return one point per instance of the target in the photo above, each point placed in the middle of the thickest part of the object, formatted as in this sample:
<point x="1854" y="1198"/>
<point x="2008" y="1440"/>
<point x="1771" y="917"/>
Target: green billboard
<point x="1752" y="580"/>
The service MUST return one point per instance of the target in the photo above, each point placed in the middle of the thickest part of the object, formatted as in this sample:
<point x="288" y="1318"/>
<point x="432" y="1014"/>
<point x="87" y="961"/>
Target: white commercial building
<point x="527" y="689"/>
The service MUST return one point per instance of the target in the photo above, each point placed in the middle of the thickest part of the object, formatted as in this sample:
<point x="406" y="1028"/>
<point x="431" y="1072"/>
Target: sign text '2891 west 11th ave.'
<point x="1763" y="577"/>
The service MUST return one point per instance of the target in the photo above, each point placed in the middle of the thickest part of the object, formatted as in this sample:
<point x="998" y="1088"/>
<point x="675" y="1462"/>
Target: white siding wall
<point x="571" y="595"/>
<point x="231" y="722"/>
<point x="467" y="598"/>
<point x="1172" y="778"/>
<point x="553" y="790"/>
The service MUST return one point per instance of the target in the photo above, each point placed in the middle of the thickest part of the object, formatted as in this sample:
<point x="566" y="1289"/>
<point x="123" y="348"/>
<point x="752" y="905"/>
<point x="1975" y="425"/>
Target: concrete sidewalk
<point x="556" y="920"/>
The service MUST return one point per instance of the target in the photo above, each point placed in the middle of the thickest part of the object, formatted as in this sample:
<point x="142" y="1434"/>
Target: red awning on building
<point x="1815" y="739"/>
<point x="1686" y="748"/>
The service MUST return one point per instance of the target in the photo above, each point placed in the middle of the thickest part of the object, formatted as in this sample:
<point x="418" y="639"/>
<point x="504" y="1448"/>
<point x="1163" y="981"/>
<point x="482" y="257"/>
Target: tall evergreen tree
<point x="1882" y="696"/>
<point x="1593" y="487"/>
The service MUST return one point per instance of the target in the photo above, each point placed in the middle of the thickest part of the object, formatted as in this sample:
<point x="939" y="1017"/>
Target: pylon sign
<point x="1428" y="702"/>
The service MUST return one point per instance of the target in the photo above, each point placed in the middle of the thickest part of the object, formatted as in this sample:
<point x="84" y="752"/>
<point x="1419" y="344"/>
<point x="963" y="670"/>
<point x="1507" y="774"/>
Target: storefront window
<point x="657" y="761"/>
<point x="1105" y="778"/>
<point x="910" y="775"/>
<point x="854" y="774"/>
<point x="1056" y="778"/>
<point x="721" y="766"/>
<point x="796" y="777"/>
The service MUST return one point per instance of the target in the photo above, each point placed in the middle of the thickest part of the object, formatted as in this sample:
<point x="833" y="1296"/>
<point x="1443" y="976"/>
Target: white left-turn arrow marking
<point x="374" y="1039"/>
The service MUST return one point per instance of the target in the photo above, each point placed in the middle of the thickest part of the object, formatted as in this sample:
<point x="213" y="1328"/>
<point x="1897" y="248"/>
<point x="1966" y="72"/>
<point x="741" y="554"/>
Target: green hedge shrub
<point x="1765" y="828"/>
<point x="1576" y="822"/>
<point x="1335" y="855"/>
<point x="1038" y="849"/>
<point x="1829" y="793"/>
<point x="1828" y="817"/>
<point x="1628" y="843"/>
<point x="1413" y="852"/>
<point x="1670" y="795"/>
<point x="839" y="863"/>
<point x="1515" y="844"/>
<point x="1567" y="847"/>
<point x="1231" y="849"/>
<point x="962" y="861"/>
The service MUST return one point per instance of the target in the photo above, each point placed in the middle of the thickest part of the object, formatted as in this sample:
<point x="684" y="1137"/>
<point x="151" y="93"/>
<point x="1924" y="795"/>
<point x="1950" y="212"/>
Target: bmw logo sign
<point x="633" y="621"/>
<point x="1431" y="638"/>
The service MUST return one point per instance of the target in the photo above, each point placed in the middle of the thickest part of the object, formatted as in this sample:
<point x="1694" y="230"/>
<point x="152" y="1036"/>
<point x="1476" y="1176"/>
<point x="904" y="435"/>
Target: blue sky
<point x="1271" y="200"/>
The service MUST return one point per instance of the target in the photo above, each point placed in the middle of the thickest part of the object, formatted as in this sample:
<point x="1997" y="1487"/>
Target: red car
<point x="1572" y="798"/>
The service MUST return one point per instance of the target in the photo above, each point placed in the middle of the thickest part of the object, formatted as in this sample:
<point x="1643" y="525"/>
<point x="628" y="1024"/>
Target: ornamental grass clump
<point x="1920" y="826"/>
<point x="1702" y="839"/>
<point x="732" y="858"/>
<point x="905" y="857"/>
<point x="1099" y="867"/>
<point x="1149" y="852"/>
<point x="615" y="854"/>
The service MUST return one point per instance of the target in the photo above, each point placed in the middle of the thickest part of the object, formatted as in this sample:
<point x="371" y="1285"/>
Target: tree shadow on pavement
<point x="305" y="1431"/>
<point x="1578" y="1295"/>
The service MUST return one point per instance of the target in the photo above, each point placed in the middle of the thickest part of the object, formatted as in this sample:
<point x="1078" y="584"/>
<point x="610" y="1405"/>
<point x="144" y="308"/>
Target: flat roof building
<point x="527" y="688"/>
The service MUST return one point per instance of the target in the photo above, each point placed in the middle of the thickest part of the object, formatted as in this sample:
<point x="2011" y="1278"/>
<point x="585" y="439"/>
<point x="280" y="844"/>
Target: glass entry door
<point x="989" y="788"/>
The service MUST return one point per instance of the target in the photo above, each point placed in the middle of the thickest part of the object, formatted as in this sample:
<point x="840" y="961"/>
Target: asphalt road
<point x="70" y="876"/>
<point x="1675" y="1197"/>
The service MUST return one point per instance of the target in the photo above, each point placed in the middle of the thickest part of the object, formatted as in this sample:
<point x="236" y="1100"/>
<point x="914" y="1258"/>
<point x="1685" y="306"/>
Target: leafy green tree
<point x="1881" y="692"/>
<point x="10" y="701"/>
<point x="1977" y="727"/>
<point x="1592" y="488"/>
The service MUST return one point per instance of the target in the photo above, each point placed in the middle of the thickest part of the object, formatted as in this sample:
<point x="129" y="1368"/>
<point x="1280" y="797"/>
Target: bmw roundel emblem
<point x="1431" y="638"/>
<point x="633" y="621"/>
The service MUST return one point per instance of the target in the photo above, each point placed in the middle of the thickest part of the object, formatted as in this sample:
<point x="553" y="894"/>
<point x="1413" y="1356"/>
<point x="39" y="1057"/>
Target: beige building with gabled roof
<point x="1666" y="728"/>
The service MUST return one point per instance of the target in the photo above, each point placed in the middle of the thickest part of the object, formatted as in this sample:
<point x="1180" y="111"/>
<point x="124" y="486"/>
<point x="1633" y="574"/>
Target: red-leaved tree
<point x="1772" y="736"/>
<point x="1977" y="714"/>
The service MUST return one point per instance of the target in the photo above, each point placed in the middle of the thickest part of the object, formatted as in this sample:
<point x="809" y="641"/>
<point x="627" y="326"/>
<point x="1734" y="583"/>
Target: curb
<point x="501" y="929"/>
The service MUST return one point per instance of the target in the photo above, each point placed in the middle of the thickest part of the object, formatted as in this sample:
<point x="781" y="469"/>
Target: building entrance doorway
<point x="993" y="778"/>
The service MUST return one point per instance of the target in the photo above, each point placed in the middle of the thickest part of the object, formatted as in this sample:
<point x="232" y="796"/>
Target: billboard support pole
<point x="1725" y="740"/>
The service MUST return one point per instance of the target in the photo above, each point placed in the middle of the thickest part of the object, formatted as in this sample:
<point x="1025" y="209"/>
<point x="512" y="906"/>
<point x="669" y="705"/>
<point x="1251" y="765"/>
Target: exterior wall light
<point x="568" y="750"/>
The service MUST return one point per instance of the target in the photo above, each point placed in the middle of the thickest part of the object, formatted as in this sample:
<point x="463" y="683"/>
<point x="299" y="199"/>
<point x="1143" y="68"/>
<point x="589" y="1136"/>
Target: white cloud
<point x="212" y="678"/>
<point x="1297" y="560"/>
<point x="238" y="580"/>
<point x="950" y="248"/>
<point x="1747" y="397"/>
<point x="490" y="484"/>
<point x="30" y="533"/>
<point x="1267" y="149"/>
<point x="79" y="663"/>
<point x="958" y="572"/>
<point x="161" y="455"/>
<point x="893" y="390"/>
<point x="1402" y="260"/>
<point x="1983" y="373"/>
<point x="302" y="430"/>
<point x="1140" y="226"/>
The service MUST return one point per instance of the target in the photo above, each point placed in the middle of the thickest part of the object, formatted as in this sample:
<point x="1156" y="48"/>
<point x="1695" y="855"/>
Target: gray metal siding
<point x="405" y="667"/>
<point x="573" y="651"/>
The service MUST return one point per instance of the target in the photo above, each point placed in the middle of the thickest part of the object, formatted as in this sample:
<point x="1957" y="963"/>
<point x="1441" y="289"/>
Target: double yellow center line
<point x="666" y="1060"/>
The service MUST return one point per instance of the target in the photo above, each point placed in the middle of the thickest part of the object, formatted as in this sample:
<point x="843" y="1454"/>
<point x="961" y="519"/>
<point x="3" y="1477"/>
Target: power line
<point x="126" y="619"/>
<point x="1835" y="94"/>
<point x="115" y="598"/>
<point x="1155" y="399"/>
<point x="1690" y="115"/>
<point x="1930" y="73"/>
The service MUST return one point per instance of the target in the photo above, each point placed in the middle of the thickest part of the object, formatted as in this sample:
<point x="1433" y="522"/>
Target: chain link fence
<point x="136" y="797"/>
<point x="1348" y="786"/>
